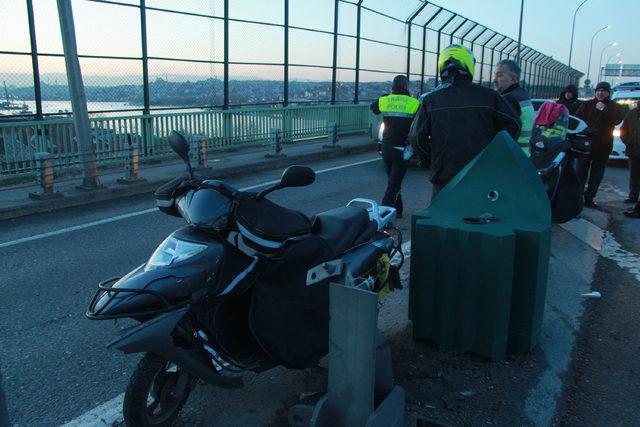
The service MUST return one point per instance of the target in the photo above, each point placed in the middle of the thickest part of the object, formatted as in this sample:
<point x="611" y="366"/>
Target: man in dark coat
<point x="458" y="119"/>
<point x="569" y="98"/>
<point x="630" y="136"/>
<point x="602" y="114"/>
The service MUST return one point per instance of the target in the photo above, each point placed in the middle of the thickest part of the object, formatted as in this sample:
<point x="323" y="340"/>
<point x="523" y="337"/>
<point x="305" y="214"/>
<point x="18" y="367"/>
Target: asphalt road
<point x="53" y="360"/>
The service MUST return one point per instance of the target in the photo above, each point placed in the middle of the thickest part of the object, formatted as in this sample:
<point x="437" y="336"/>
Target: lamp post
<point x="609" y="59"/>
<point x="573" y="29"/>
<point x="520" y="32"/>
<point x="602" y="54"/>
<point x="591" y="49"/>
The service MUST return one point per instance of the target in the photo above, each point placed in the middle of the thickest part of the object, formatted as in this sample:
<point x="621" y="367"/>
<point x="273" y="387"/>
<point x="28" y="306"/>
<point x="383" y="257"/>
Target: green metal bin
<point x="482" y="287"/>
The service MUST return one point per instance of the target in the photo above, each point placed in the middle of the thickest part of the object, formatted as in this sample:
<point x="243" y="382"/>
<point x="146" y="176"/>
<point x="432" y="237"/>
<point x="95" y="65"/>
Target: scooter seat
<point x="340" y="227"/>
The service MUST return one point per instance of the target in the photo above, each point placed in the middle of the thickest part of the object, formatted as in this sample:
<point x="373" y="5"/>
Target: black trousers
<point x="396" y="168"/>
<point x="592" y="167"/>
<point x="634" y="177"/>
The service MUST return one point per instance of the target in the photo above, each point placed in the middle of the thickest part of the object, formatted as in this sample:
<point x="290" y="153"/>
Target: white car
<point x="627" y="99"/>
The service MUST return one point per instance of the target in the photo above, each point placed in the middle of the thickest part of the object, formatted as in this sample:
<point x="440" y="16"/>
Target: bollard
<point x="275" y="138"/>
<point x="132" y="160"/>
<point x="199" y="150"/>
<point x="332" y="136"/>
<point x="44" y="164"/>
<point x="360" y="369"/>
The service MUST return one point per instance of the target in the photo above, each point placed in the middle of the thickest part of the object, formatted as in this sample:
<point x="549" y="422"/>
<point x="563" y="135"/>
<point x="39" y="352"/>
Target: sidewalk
<point x="15" y="201"/>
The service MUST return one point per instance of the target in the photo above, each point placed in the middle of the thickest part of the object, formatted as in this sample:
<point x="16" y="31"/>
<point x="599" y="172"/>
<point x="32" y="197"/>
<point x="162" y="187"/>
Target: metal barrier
<point x="220" y="129"/>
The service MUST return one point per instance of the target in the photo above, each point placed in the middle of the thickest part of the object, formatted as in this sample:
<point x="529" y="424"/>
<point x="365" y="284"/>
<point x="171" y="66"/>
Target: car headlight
<point x="616" y="133"/>
<point x="173" y="250"/>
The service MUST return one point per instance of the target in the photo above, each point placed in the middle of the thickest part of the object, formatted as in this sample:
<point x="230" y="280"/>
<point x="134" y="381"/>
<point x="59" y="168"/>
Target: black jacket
<point x="572" y="104"/>
<point x="456" y="122"/>
<point x="603" y="121"/>
<point x="630" y="132"/>
<point x="396" y="129"/>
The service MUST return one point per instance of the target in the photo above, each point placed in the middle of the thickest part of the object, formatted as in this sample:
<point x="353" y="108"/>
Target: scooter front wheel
<point x="156" y="393"/>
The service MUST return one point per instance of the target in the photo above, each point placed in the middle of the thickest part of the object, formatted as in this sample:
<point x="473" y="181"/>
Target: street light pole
<point x="609" y="59"/>
<point x="573" y="29"/>
<point x="520" y="32"/>
<point x="591" y="49"/>
<point x="90" y="180"/>
<point x="602" y="54"/>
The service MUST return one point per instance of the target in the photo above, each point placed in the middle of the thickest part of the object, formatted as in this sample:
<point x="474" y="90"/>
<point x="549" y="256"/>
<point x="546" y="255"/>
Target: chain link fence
<point x="157" y="55"/>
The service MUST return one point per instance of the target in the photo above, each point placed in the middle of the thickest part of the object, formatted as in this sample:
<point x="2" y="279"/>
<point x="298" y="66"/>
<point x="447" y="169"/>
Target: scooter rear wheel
<point x="156" y="393"/>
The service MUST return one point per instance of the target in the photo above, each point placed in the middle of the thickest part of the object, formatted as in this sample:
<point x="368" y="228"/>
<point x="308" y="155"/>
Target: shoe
<point x="631" y="201"/>
<point x="590" y="204"/>
<point x="632" y="213"/>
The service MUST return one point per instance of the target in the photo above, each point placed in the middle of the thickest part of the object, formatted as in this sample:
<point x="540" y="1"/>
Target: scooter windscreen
<point x="205" y="208"/>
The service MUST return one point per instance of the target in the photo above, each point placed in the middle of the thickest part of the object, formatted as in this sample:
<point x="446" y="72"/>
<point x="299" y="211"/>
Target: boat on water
<point x="10" y="105"/>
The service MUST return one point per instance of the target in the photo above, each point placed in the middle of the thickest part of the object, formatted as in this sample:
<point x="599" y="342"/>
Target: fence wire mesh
<point x="201" y="56"/>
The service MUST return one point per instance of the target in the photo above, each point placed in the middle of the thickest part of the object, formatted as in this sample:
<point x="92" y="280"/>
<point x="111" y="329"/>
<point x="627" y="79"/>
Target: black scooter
<point x="554" y="160"/>
<point x="242" y="287"/>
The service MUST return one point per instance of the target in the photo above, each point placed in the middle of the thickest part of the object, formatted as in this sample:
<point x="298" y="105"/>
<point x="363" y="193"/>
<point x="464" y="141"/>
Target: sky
<point x="110" y="30"/>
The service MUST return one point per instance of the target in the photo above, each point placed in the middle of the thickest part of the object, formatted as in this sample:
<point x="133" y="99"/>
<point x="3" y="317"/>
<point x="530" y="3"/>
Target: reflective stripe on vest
<point x="398" y="106"/>
<point x="527" y="115"/>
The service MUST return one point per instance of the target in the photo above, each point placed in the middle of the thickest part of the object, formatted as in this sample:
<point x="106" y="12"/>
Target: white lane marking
<point x="110" y="413"/>
<point x="147" y="211"/>
<point x="76" y="227"/>
<point x="605" y="244"/>
<point x="107" y="414"/>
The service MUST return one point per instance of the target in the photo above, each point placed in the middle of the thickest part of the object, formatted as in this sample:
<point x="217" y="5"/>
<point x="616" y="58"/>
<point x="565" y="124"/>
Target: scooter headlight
<point x="173" y="250"/>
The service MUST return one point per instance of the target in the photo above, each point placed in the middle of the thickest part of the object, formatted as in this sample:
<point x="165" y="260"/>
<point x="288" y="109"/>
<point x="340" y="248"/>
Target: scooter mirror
<point x="297" y="176"/>
<point x="179" y="144"/>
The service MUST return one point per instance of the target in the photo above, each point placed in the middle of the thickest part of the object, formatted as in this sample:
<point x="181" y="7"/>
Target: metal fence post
<point x="145" y="57"/>
<point x="275" y="138"/>
<point x="335" y="52"/>
<point x="44" y="165"/>
<point x="358" y="24"/>
<point x="424" y="45"/>
<point x="409" y="40"/>
<point x="285" y="100"/>
<point x="456" y="30"/>
<point x="34" y="60"/>
<point x="332" y="136"/>
<point x="132" y="162"/>
<point x="225" y="87"/>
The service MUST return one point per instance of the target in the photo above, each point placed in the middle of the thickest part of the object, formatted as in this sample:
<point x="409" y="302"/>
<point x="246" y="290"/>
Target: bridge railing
<point x="219" y="129"/>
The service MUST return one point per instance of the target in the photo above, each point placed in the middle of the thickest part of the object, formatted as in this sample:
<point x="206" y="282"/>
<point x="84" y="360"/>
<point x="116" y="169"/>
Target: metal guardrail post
<point x="132" y="163"/>
<point x="332" y="136"/>
<point x="359" y="368"/>
<point x="44" y="165"/>
<point x="275" y="138"/>
<point x="199" y="150"/>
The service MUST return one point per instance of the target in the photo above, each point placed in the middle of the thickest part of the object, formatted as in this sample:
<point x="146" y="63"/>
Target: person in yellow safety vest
<point x="506" y="79"/>
<point x="397" y="110"/>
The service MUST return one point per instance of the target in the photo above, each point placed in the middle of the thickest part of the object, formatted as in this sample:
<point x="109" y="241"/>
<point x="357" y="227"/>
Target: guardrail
<point x="218" y="129"/>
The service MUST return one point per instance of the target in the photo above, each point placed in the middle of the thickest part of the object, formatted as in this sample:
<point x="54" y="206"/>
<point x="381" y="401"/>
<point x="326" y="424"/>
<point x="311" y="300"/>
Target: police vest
<point x="527" y="116"/>
<point x="398" y="106"/>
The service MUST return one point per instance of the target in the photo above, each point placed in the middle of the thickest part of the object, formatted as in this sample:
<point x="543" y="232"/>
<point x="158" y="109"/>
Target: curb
<point x="120" y="191"/>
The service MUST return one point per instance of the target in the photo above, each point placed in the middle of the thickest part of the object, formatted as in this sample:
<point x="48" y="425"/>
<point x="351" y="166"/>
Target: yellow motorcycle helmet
<point x="456" y="59"/>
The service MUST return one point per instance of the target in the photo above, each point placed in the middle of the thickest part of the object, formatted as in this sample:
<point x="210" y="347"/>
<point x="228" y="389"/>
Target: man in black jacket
<point x="602" y="114"/>
<point x="569" y="98"/>
<point x="459" y="119"/>
<point x="398" y="110"/>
